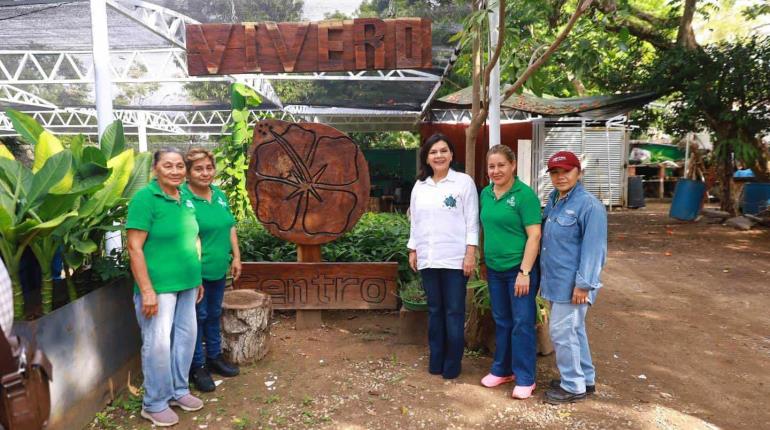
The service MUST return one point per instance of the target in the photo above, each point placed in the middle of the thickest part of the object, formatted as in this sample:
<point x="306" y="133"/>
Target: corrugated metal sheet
<point x="601" y="149"/>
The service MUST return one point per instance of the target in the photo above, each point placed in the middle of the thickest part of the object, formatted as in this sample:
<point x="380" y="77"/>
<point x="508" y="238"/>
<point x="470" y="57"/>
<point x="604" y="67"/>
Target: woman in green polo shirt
<point x="163" y="247"/>
<point x="510" y="217"/>
<point x="219" y="255"/>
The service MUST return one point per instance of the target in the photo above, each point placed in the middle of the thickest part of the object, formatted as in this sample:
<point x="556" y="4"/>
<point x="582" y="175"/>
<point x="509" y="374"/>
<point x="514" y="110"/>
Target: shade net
<point x="47" y="28"/>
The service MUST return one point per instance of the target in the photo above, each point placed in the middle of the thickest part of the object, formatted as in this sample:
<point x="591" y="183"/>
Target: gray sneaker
<point x="164" y="418"/>
<point x="188" y="403"/>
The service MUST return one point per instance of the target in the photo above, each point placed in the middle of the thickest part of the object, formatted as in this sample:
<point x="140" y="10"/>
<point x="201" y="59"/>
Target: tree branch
<point x="553" y="17"/>
<point x="609" y="7"/>
<point x="532" y="68"/>
<point x="640" y="32"/>
<point x="686" y="36"/>
<point x="650" y="34"/>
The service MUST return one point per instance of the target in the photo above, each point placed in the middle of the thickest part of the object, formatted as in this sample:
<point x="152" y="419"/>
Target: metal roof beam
<point x="161" y="65"/>
<point x="164" y="22"/>
<point x="131" y="66"/>
<point x="12" y="95"/>
<point x="464" y="115"/>
<point x="171" y="26"/>
<point x="212" y="122"/>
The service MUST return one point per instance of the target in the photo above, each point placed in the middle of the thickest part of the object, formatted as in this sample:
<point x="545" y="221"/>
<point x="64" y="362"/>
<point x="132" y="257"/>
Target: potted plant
<point x="413" y="295"/>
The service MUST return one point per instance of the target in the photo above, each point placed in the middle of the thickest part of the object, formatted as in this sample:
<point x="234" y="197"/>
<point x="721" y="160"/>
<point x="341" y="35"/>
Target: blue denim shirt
<point x="574" y="245"/>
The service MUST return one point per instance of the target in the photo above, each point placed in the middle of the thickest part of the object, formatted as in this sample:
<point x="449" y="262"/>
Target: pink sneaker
<point x="491" y="380"/>
<point x="522" y="392"/>
<point x="188" y="403"/>
<point x="164" y="418"/>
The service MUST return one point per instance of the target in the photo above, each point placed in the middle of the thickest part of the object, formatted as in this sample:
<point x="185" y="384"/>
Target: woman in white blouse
<point x="442" y="246"/>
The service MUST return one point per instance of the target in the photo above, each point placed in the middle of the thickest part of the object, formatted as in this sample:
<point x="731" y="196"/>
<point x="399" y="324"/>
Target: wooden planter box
<point x="93" y="344"/>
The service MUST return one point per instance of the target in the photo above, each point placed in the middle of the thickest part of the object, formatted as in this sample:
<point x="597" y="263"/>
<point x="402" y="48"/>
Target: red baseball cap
<point x="563" y="159"/>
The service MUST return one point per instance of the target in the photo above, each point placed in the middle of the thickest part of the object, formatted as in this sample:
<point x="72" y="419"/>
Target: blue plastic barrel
<point x="756" y="197"/>
<point x="688" y="196"/>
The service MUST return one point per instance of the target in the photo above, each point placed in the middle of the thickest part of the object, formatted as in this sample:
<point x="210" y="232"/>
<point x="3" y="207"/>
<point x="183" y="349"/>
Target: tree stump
<point x="544" y="344"/>
<point x="245" y="325"/>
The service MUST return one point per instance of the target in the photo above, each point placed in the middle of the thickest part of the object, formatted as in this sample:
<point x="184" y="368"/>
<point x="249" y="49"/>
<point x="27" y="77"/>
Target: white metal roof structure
<point x="46" y="69"/>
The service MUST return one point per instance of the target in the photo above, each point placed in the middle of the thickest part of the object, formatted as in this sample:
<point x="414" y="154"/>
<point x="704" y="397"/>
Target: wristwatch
<point x="524" y="272"/>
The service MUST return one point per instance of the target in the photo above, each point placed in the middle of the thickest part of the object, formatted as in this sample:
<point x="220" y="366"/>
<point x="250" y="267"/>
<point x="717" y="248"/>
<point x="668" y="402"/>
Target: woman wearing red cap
<point x="573" y="252"/>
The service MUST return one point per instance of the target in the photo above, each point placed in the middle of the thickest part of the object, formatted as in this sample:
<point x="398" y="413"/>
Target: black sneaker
<point x="201" y="379"/>
<point x="558" y="396"/>
<point x="220" y="366"/>
<point x="556" y="383"/>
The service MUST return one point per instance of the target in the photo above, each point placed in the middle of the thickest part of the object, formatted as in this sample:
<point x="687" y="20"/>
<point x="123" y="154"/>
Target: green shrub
<point x="257" y="244"/>
<point x="378" y="237"/>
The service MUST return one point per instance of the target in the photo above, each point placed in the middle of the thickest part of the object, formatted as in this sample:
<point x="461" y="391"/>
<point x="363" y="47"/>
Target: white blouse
<point x="444" y="220"/>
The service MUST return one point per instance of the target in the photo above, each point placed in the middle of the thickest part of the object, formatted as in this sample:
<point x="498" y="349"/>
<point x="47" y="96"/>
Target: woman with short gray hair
<point x="161" y="225"/>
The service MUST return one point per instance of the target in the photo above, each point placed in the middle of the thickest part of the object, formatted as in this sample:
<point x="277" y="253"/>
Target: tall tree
<point x="724" y="88"/>
<point x="632" y="45"/>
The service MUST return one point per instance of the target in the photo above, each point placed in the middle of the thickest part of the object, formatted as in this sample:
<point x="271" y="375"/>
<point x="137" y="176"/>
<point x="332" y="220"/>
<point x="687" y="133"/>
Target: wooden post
<point x="661" y="181"/>
<point x="308" y="319"/>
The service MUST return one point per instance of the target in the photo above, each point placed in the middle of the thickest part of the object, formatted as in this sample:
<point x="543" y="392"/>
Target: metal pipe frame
<point x="464" y="115"/>
<point x="12" y="95"/>
<point x="213" y="122"/>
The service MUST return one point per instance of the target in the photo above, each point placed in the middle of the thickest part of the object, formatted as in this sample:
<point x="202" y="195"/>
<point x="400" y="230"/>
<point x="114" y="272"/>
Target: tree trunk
<point x="479" y="329"/>
<point x="762" y="163"/>
<point x="686" y="36"/>
<point x="725" y="171"/>
<point x="472" y="132"/>
<point x="245" y="325"/>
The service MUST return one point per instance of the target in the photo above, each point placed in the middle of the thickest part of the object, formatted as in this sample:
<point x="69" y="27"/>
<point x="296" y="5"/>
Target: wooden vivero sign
<point x="326" y="46"/>
<point x="309" y="184"/>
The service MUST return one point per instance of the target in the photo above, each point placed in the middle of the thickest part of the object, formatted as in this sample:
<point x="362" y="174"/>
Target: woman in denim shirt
<point x="573" y="252"/>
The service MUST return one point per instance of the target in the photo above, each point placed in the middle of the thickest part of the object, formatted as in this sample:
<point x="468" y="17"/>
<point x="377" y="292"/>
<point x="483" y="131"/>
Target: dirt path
<point x="680" y="338"/>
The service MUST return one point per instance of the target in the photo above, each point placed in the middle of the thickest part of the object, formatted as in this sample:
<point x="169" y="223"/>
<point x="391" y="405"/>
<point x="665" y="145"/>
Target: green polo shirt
<point x="171" y="249"/>
<point x="504" y="221"/>
<point x="215" y="222"/>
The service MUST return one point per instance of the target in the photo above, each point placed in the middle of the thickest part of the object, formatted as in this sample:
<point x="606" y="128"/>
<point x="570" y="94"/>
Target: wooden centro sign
<point x="308" y="183"/>
<point x="327" y="46"/>
<point x="323" y="285"/>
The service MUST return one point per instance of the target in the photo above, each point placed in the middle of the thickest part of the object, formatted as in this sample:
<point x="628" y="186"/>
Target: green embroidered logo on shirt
<point x="512" y="201"/>
<point x="222" y="202"/>
<point x="450" y="202"/>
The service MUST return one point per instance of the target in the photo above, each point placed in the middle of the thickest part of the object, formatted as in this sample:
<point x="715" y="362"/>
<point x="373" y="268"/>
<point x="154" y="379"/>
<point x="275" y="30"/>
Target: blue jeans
<point x="515" y="337"/>
<point x="573" y="357"/>
<point x="445" y="289"/>
<point x="168" y="339"/>
<point x="209" y="310"/>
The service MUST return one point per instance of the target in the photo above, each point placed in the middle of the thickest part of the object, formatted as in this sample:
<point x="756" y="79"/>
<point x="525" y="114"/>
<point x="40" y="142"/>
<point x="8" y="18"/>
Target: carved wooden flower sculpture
<point x="308" y="183"/>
